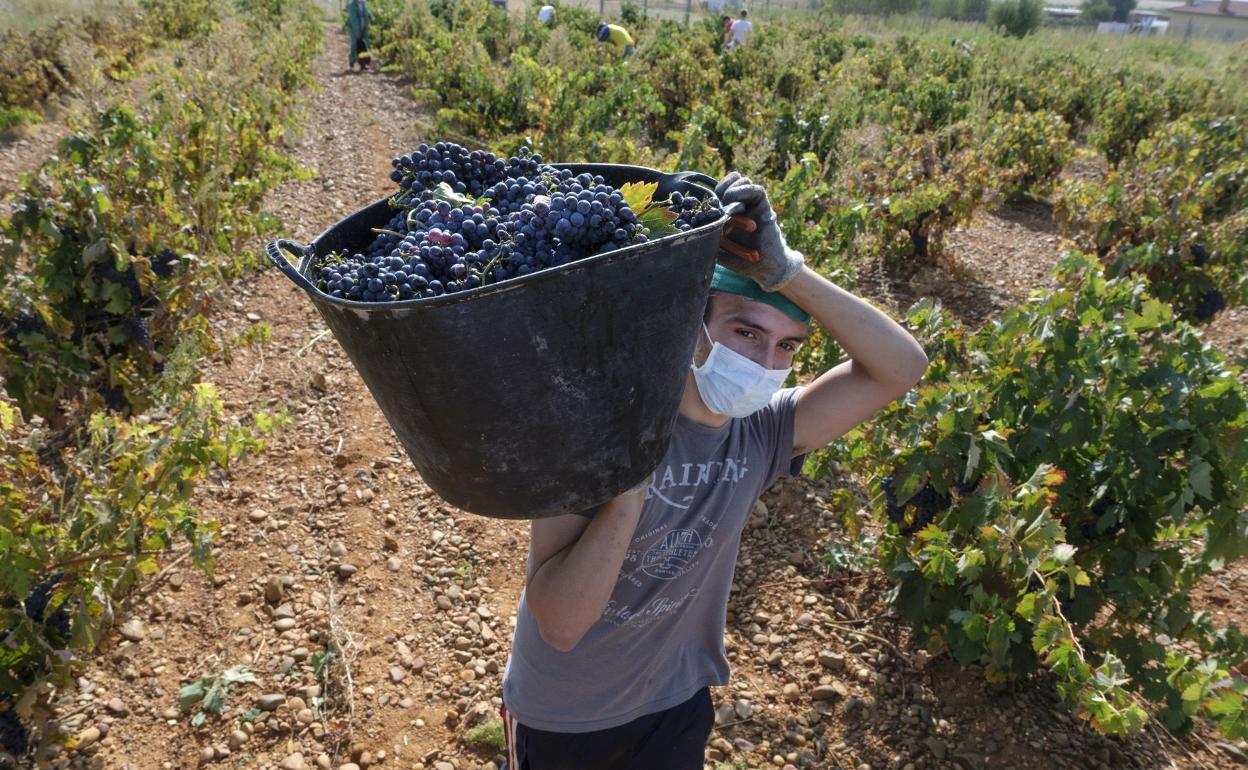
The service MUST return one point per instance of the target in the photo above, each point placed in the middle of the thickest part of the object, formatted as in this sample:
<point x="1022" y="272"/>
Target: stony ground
<point x="375" y="619"/>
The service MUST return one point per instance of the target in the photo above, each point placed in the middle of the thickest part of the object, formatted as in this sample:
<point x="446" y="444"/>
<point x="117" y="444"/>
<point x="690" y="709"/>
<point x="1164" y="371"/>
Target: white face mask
<point x="732" y="385"/>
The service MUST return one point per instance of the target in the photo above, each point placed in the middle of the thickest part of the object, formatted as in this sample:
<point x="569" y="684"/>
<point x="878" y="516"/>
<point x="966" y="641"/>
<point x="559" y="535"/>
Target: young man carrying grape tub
<point x="620" y="629"/>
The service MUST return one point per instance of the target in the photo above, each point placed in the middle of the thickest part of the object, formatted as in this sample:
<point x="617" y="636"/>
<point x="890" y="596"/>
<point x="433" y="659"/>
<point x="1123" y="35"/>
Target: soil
<point x="331" y="541"/>
<point x="23" y="149"/>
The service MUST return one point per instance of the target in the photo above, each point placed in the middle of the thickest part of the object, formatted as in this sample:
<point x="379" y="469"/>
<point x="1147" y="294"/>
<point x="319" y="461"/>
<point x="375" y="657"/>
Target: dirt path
<point x="24" y="152"/>
<point x="332" y="525"/>
<point x="332" y="541"/>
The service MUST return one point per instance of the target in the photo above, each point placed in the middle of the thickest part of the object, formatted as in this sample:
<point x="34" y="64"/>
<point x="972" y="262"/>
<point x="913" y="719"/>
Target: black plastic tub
<point x="535" y="396"/>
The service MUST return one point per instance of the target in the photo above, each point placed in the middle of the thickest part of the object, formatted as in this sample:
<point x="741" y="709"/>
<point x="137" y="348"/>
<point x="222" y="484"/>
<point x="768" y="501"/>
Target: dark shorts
<point x="674" y="739"/>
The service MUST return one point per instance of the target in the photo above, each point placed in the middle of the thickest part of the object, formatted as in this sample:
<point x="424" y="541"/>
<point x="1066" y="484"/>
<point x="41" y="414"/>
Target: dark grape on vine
<point x="927" y="503"/>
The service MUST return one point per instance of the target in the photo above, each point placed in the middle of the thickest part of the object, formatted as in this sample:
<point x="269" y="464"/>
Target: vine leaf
<point x="658" y="220"/>
<point x="638" y="195"/>
<point x="653" y="216"/>
<point x="443" y="192"/>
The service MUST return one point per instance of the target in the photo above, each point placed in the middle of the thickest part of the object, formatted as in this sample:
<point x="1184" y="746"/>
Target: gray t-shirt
<point x="661" y="637"/>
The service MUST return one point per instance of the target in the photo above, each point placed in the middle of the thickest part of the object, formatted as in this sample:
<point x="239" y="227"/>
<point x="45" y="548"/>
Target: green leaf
<point x="1153" y="314"/>
<point x="191" y="694"/>
<point x="970" y="564"/>
<point x="972" y="461"/>
<point x="638" y="195"/>
<point x="214" y="700"/>
<point x="1027" y="607"/>
<point x="1200" y="480"/>
<point x="236" y="674"/>
<point x="443" y="192"/>
<point x="658" y="220"/>
<point x="199" y="718"/>
<point x="1063" y="553"/>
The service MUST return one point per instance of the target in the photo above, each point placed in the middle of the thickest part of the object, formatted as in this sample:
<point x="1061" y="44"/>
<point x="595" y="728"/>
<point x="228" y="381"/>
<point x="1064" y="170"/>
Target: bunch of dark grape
<point x="927" y="503"/>
<point x="502" y="219"/>
<point x="1210" y="304"/>
<point x="465" y="172"/>
<point x="36" y="606"/>
<point x="12" y="328"/>
<point x="445" y="251"/>
<point x="14" y="737"/>
<point x="1090" y="527"/>
<point x="693" y="212"/>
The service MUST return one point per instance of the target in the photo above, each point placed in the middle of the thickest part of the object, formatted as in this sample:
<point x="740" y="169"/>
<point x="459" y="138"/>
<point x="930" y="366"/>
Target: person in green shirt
<point x="618" y="37"/>
<point x="358" y="18"/>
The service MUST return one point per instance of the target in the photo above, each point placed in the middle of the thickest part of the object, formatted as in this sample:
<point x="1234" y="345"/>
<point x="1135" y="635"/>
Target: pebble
<point x="273" y="590"/>
<point x="88" y="737"/>
<point x="831" y="660"/>
<point x="257" y="515"/>
<point x="293" y="762"/>
<point x="346" y="569"/>
<point x="284" y="624"/>
<point x="270" y="702"/>
<point x="1232" y="751"/>
<point x="791" y="692"/>
<point x="396" y="674"/>
<point x="825" y="692"/>
<point x="133" y="630"/>
<point x="349" y="766"/>
<point x="393" y="564"/>
<point x="237" y="739"/>
<point x="207" y="754"/>
<point x="117" y="706"/>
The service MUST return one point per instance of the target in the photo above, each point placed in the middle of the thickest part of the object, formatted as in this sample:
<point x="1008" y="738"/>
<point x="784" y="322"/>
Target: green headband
<point x="728" y="282"/>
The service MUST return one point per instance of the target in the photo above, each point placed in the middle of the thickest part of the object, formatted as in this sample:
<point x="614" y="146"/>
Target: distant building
<point x="1140" y="23"/>
<point x="1225" y="20"/>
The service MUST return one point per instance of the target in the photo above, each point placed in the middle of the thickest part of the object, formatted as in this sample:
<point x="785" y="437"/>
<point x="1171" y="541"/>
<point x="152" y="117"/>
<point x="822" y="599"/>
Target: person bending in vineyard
<point x="358" y="19"/>
<point x="618" y="37"/>
<point x="740" y="30"/>
<point x="620" y="628"/>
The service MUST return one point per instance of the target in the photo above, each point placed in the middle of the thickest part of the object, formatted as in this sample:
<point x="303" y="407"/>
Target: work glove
<point x="755" y="232"/>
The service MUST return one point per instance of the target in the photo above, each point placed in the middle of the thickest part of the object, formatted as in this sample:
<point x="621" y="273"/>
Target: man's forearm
<point x="568" y="592"/>
<point x="874" y="341"/>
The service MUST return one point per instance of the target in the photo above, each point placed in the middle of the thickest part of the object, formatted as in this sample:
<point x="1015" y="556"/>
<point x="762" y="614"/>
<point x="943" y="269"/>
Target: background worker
<point x="741" y="29"/>
<point x="618" y="37"/>
<point x="358" y="19"/>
